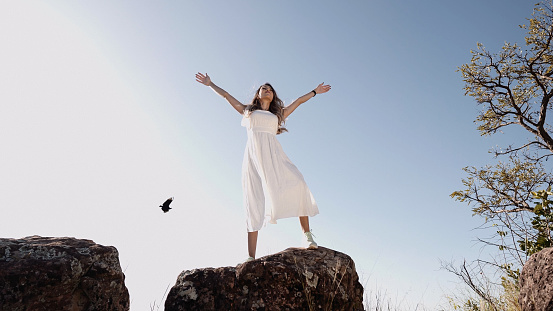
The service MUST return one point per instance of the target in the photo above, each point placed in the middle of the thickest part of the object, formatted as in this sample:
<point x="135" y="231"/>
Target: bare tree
<point x="514" y="88"/>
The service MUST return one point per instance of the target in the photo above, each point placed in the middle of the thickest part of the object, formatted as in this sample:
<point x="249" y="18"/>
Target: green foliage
<point x="491" y="189"/>
<point x="503" y="196"/>
<point x="541" y="223"/>
<point x="471" y="305"/>
<point x="514" y="85"/>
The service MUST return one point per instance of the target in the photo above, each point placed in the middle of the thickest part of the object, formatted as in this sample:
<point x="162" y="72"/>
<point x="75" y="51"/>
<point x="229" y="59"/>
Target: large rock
<point x="39" y="273"/>
<point x="536" y="282"/>
<point x="295" y="279"/>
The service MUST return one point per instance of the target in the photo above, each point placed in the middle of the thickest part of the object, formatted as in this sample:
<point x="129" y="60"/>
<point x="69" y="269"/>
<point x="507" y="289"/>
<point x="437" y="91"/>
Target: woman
<point x="273" y="187"/>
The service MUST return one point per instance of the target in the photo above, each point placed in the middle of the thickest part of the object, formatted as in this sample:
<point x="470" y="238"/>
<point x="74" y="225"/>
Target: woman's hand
<point x="206" y="80"/>
<point x="203" y="79"/>
<point x="322" y="88"/>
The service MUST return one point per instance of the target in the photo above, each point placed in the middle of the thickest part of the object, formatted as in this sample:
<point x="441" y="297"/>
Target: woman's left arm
<point x="320" y="89"/>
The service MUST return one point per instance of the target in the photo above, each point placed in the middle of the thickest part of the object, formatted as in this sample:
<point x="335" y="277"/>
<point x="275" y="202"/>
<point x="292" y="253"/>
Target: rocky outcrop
<point x="536" y="282"/>
<point x="295" y="279"/>
<point x="38" y="273"/>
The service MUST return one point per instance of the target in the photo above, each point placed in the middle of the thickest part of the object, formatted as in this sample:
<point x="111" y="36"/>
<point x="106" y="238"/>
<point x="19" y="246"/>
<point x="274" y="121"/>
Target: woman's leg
<point x="304" y="222"/>
<point x="252" y="243"/>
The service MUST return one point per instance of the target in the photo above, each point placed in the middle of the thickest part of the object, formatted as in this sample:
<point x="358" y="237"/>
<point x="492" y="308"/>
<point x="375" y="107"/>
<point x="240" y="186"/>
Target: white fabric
<point x="273" y="187"/>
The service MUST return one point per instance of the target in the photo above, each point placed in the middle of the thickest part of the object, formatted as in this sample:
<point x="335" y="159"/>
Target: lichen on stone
<point x="188" y="292"/>
<point x="83" y="250"/>
<point x="7" y="255"/>
<point x="311" y="278"/>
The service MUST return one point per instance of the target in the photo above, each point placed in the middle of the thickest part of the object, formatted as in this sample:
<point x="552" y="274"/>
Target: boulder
<point x="294" y="279"/>
<point x="39" y="273"/>
<point x="536" y="282"/>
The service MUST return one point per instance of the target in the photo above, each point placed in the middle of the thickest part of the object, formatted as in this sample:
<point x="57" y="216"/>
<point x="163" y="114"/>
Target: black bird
<point x="165" y="207"/>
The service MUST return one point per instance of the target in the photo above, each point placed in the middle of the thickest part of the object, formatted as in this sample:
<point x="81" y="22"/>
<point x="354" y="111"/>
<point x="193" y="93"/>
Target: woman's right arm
<point x="206" y="80"/>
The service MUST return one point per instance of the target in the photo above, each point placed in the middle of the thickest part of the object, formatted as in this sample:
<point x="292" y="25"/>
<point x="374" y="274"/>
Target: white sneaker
<point x="249" y="259"/>
<point x="310" y="242"/>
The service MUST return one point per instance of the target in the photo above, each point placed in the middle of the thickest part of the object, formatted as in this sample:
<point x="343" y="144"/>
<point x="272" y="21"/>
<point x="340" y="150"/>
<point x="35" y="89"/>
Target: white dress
<point x="273" y="186"/>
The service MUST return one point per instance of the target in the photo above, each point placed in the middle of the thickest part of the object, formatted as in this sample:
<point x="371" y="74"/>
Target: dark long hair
<point x="276" y="107"/>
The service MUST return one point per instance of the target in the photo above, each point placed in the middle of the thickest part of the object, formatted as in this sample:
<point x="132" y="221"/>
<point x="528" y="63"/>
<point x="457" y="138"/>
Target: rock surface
<point x="39" y="273"/>
<point x="536" y="282"/>
<point x="294" y="279"/>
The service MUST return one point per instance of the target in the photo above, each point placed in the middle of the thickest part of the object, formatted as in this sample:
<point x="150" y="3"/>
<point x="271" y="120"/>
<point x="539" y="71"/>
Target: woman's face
<point x="266" y="92"/>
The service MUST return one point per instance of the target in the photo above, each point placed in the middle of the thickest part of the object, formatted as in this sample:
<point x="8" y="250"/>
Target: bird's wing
<point x="167" y="202"/>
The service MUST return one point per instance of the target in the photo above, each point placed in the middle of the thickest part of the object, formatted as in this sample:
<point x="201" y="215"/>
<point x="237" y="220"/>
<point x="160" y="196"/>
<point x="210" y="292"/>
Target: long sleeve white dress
<point x="273" y="187"/>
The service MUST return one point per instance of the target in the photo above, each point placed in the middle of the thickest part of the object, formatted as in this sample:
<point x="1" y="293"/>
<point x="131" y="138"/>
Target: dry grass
<point x="154" y="306"/>
<point x="338" y="276"/>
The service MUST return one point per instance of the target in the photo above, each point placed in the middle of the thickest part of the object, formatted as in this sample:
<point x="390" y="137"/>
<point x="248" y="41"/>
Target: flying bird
<point x="165" y="207"/>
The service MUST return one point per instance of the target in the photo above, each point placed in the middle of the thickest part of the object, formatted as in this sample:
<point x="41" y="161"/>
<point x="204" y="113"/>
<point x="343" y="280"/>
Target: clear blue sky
<point x="101" y="120"/>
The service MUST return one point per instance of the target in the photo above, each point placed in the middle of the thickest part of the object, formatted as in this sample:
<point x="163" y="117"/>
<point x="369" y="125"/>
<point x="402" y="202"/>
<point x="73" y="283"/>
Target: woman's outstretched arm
<point x="206" y="80"/>
<point x="321" y="88"/>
